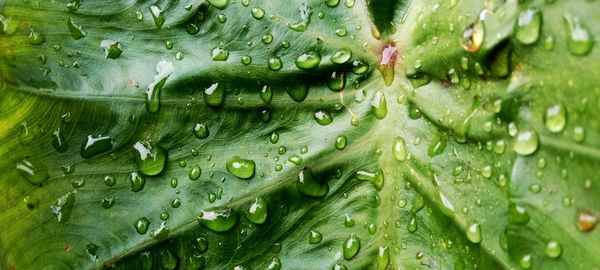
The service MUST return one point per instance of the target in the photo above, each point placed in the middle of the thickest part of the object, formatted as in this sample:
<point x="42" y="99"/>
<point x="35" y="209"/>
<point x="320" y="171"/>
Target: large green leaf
<point x="457" y="135"/>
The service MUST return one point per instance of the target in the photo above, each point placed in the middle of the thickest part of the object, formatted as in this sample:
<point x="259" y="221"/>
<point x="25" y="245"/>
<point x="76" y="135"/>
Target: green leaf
<point x="299" y="134"/>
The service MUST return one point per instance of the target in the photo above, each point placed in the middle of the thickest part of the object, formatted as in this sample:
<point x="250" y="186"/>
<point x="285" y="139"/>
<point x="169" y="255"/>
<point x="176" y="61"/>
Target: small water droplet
<point x="94" y="145"/>
<point x="107" y="202"/>
<point x="149" y="157"/>
<point x="323" y="117"/>
<point x="137" y="181"/>
<point x="219" y="54"/>
<point x="553" y="249"/>
<point x="332" y="3"/>
<point x="258" y="13"/>
<point x="315" y="237"/>
<point x="275" y="64"/>
<point x="525" y="261"/>
<point x="555" y="118"/>
<point x="201" y="131"/>
<point x="341" y="56"/>
<point x="310" y="186"/>
<point x="214" y="95"/>
<point x="376" y="178"/>
<point x="112" y="49"/>
<point x="141" y="225"/>
<point x="383" y="258"/>
<point x="158" y="15"/>
<point x="399" y="149"/>
<point x="63" y="206"/>
<point x="474" y="233"/>
<point x="164" y="70"/>
<point x="337" y="81"/>
<point x="379" y="105"/>
<point x="220" y="4"/>
<point x="257" y="212"/>
<point x="195" y="172"/>
<point x="340" y="142"/>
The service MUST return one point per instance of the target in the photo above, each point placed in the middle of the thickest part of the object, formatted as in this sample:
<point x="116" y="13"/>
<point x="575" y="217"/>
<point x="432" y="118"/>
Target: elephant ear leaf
<point x="256" y="134"/>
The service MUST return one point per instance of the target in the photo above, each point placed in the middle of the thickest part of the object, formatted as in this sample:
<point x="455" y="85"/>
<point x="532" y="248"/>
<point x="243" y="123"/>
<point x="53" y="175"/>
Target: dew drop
<point x="158" y="16"/>
<point x="553" y="249"/>
<point x="579" y="39"/>
<point x="340" y="142"/>
<point x="528" y="26"/>
<point x="35" y="173"/>
<point x="257" y="212"/>
<point x="379" y="105"/>
<point x="201" y="131"/>
<point x="164" y="69"/>
<point x="526" y="143"/>
<point x="258" y="13"/>
<point x="323" y="117"/>
<point x="75" y="29"/>
<point x="94" y="145"/>
<point x="315" y="237"/>
<point x="195" y="172"/>
<point x="219" y="54"/>
<point x="149" y="157"/>
<point x="112" y="49"/>
<point x="555" y="118"/>
<point x="474" y="233"/>
<point x="376" y="178"/>
<point x="219" y="220"/>
<point x="137" y="181"/>
<point x="399" y="149"/>
<point x="275" y="64"/>
<point x="308" y="60"/>
<point x="241" y="168"/>
<point x="310" y="186"/>
<point x="337" y="81"/>
<point x="351" y="247"/>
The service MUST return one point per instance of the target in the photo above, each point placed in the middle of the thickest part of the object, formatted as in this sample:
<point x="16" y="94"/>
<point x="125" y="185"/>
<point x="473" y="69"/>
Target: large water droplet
<point x="383" y="258"/>
<point x="242" y="168"/>
<point x="220" y="4"/>
<point x="219" y="54"/>
<point x="63" y="206"/>
<point x="376" y="178"/>
<point x="75" y="29"/>
<point x="528" y="26"/>
<point x="553" y="249"/>
<point x="112" y="49"/>
<point x="195" y="172"/>
<point x="214" y="96"/>
<point x="149" y="157"/>
<point x="164" y="69"/>
<point x="137" y="181"/>
<point x="579" y="39"/>
<point x="315" y="237"/>
<point x="36" y="38"/>
<point x="340" y="142"/>
<point x="341" y="56"/>
<point x="474" y="233"/>
<point x="258" y="13"/>
<point x="337" y="81"/>
<point x="526" y="143"/>
<point x="399" y="149"/>
<point x="323" y="117"/>
<point x="35" y="173"/>
<point x="379" y="105"/>
<point x="302" y="24"/>
<point x="94" y="145"/>
<point x="257" y="212"/>
<point x="218" y="220"/>
<point x="308" y="60"/>
<point x="158" y="15"/>
<point x="556" y="118"/>
<point x="351" y="247"/>
<point x="274" y="63"/>
<point x="308" y="185"/>
<point x="298" y="92"/>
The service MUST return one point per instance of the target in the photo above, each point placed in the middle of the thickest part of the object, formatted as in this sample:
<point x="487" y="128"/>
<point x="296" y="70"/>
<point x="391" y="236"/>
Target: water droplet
<point x="179" y="56"/>
<point x="376" y="178"/>
<point x="332" y="3"/>
<point x="341" y="32"/>
<point x="517" y="213"/>
<point x="219" y="220"/>
<point x="201" y="131"/>
<point x="308" y="60"/>
<point x="35" y="173"/>
<point x="555" y="118"/>
<point x="474" y="233"/>
<point x="586" y="221"/>
<point x="528" y="26"/>
<point x="164" y="69"/>
<point x="349" y="221"/>
<point x="94" y="145"/>
<point x="438" y="144"/>
<point x="379" y="105"/>
<point x="526" y="143"/>
<point x="399" y="149"/>
<point x="341" y="56"/>
<point x="219" y="54"/>
<point x="92" y="251"/>
<point x="112" y="49"/>
<point x="298" y="92"/>
<point x="266" y="94"/>
<point x="109" y="180"/>
<point x="349" y="3"/>
<point x="351" y="247"/>
<point x="275" y="264"/>
<point x="175" y="203"/>
<point x="214" y="96"/>
<point x="36" y="38"/>
<point x="257" y="212"/>
<point x="323" y="117"/>
<point x="258" y="13"/>
<point x="473" y="36"/>
<point x="295" y="159"/>
<point x="359" y="67"/>
<point x="553" y="249"/>
<point x="63" y="206"/>
<point x="383" y="258"/>
<point x="246" y="60"/>
<point x="242" y="168"/>
<point x="75" y="29"/>
<point x="302" y="24"/>
<point x="142" y="225"/>
<point x="274" y="138"/>
<point x="137" y="181"/>
<point x="158" y="15"/>
<point x="107" y="202"/>
<point x="267" y="39"/>
<point x="73" y="5"/>
<point x="139" y="15"/>
<point x="579" y="39"/>
<point x="525" y="262"/>
<point x="275" y="64"/>
<point x="195" y="172"/>
<point x="220" y="4"/>
<point x="340" y="142"/>
<point x="149" y="157"/>
<point x="315" y="237"/>
<point x="337" y="81"/>
<point x="192" y="29"/>
<point x="310" y="186"/>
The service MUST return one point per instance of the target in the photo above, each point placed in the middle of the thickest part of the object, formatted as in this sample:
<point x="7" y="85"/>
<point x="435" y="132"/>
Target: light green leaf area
<point x="326" y="134"/>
